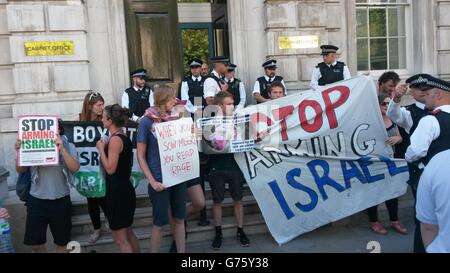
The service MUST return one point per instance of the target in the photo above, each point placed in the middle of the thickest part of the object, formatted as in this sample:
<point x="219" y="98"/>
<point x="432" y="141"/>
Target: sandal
<point x="399" y="227"/>
<point x="378" y="228"/>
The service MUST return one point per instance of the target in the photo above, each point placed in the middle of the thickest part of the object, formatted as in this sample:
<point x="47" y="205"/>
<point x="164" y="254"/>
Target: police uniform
<point x="263" y="83"/>
<point x="136" y="99"/>
<point x="432" y="134"/>
<point x="212" y="83"/>
<point x="430" y="129"/>
<point x="192" y="89"/>
<point x="325" y="74"/>
<point x="408" y="117"/>
<point x="237" y="89"/>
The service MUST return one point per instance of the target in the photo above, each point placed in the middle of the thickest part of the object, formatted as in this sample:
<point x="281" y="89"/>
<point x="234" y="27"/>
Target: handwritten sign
<point x="37" y="147"/>
<point x="302" y="42"/>
<point x="178" y="151"/>
<point x="49" y="48"/>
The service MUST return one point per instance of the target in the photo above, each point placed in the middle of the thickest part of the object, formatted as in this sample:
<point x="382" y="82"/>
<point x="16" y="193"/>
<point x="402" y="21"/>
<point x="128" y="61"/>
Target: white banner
<point x="321" y="156"/>
<point x="37" y="135"/>
<point x="178" y="151"/>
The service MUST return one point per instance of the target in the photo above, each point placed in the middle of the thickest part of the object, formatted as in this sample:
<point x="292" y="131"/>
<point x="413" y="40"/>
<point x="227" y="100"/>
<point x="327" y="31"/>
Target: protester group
<point x="419" y="133"/>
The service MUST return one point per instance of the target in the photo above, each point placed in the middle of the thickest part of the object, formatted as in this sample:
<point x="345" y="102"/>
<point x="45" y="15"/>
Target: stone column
<point x="247" y="40"/>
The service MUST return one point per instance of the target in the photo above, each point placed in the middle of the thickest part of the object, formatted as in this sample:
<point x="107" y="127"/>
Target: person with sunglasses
<point x="394" y="138"/>
<point x="262" y="84"/>
<point x="93" y="106"/>
<point x="330" y="70"/>
<point x="138" y="97"/>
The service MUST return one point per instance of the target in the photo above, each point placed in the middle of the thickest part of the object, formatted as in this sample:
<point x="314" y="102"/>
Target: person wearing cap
<point x="408" y="118"/>
<point x="262" y="84"/>
<point x="216" y="79"/>
<point x="432" y="134"/>
<point x="192" y="88"/>
<point x="235" y="87"/>
<point x="330" y="70"/>
<point x="139" y="97"/>
<point x="430" y="143"/>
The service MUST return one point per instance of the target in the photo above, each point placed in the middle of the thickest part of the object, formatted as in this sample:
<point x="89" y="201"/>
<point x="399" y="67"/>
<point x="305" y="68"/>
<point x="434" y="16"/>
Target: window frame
<point x="211" y="44"/>
<point x="408" y="39"/>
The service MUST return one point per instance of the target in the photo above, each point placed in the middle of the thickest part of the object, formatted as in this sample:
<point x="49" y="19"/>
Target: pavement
<point x="352" y="238"/>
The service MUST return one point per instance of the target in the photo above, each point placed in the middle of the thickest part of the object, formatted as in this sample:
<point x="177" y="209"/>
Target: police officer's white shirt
<point x="401" y="116"/>
<point x="256" y="87"/>
<point x="211" y="87"/>
<point x="316" y="75"/>
<point x="242" y="94"/>
<point x="185" y="94"/>
<point x="433" y="202"/>
<point x="427" y="131"/>
<point x="126" y="100"/>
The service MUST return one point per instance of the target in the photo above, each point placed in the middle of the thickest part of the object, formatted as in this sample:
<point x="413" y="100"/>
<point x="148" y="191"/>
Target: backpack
<point x="23" y="185"/>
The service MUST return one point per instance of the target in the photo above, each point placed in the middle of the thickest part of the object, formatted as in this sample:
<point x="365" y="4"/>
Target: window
<point x="197" y="42"/>
<point x="381" y="34"/>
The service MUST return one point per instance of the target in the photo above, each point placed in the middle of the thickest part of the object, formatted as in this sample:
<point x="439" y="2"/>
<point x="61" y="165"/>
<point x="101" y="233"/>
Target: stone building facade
<point x="289" y="31"/>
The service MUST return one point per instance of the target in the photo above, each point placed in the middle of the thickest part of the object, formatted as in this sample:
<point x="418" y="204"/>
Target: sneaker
<point x="95" y="236"/>
<point x="217" y="243"/>
<point x="243" y="239"/>
<point x="173" y="247"/>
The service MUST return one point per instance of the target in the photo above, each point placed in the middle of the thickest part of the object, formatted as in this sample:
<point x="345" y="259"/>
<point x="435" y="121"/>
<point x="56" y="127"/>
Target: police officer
<point x="432" y="134"/>
<point x="330" y="70"/>
<point x="192" y="88"/>
<point x="139" y="97"/>
<point x="216" y="79"/>
<point x="263" y="83"/>
<point x="235" y="87"/>
<point x="407" y="118"/>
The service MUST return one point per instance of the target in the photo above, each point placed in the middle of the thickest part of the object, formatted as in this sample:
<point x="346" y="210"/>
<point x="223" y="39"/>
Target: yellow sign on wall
<point x="294" y="42"/>
<point x="49" y="48"/>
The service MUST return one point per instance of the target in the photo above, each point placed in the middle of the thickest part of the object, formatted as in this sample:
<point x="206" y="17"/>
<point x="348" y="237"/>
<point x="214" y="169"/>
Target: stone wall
<point x="57" y="84"/>
<point x="324" y="19"/>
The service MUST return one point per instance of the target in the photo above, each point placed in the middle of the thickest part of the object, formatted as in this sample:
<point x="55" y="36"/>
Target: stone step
<point x="81" y="224"/>
<point x="143" y="201"/>
<point x="253" y="224"/>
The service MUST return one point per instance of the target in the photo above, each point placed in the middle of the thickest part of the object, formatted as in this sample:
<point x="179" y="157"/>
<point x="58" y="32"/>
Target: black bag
<point x="23" y="185"/>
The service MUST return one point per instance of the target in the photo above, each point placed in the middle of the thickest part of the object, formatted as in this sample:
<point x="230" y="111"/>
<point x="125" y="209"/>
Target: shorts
<point x="193" y="182"/>
<point x="173" y="198"/>
<point x="217" y="180"/>
<point x="42" y="213"/>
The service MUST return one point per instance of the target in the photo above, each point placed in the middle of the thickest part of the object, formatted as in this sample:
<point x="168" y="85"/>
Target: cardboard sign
<point x="178" y="151"/>
<point x="222" y="134"/>
<point x="37" y="134"/>
<point x="89" y="181"/>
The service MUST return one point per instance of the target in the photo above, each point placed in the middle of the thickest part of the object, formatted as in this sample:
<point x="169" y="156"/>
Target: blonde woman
<point x="163" y="199"/>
